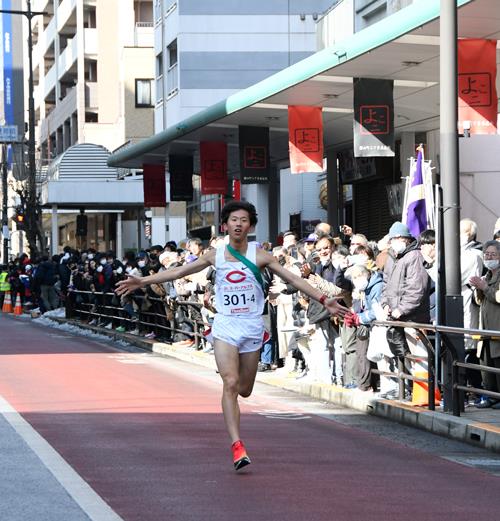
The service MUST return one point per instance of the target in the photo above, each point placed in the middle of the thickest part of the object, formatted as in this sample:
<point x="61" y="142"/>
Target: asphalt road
<point x="92" y="431"/>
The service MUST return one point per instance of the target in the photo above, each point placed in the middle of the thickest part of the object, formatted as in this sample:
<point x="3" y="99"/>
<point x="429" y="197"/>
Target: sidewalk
<point x="478" y="427"/>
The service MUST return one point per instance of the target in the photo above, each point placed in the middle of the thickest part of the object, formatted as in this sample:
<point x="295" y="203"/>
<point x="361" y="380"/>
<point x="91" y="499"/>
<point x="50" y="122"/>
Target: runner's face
<point x="238" y="224"/>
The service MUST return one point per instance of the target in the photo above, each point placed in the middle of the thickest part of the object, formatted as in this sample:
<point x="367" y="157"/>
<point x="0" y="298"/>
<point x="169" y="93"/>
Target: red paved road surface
<point x="150" y="440"/>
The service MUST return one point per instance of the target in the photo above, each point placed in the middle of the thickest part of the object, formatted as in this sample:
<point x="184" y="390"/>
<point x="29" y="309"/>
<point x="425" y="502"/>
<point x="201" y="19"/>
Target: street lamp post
<point x="31" y="191"/>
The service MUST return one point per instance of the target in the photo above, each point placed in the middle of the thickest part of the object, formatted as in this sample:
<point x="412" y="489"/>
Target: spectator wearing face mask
<point x="427" y="242"/>
<point x="142" y="260"/>
<point x="405" y="295"/>
<point x="406" y="290"/>
<point x="63" y="268"/>
<point x="308" y="244"/>
<point x="471" y="264"/>
<point x="367" y="290"/>
<point x="195" y="248"/>
<point x="488" y="296"/>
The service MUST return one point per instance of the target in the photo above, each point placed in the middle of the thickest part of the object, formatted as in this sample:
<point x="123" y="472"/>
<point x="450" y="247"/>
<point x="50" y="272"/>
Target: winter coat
<point x="489" y="300"/>
<point x="46" y="273"/>
<point x="373" y="293"/>
<point x="406" y="285"/>
<point x="316" y="312"/>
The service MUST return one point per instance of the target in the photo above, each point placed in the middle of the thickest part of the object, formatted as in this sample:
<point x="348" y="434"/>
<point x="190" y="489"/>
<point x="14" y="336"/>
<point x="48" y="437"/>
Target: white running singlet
<point x="237" y="291"/>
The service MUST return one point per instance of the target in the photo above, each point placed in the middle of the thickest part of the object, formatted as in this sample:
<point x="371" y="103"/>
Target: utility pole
<point x="449" y="170"/>
<point x="32" y="224"/>
<point x="5" y="221"/>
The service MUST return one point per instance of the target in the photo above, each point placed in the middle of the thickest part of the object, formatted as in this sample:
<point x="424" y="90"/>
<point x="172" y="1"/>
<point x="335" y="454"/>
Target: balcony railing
<point x="172" y="80"/>
<point x="68" y="56"/>
<point x="159" y="88"/>
<point x="90" y="41"/>
<point x="144" y="34"/>
<point x="91" y="95"/>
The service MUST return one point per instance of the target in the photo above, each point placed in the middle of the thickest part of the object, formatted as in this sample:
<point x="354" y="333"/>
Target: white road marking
<point x="85" y="497"/>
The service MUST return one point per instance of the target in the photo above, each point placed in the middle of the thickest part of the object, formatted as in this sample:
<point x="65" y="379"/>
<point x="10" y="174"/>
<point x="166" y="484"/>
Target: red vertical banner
<point x="305" y="139"/>
<point x="236" y="189"/>
<point x="155" y="193"/>
<point x="477" y="96"/>
<point x="213" y="164"/>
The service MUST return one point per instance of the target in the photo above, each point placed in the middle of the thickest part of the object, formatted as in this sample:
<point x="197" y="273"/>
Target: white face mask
<point x="103" y="262"/>
<point x="357" y="259"/>
<point x="398" y="246"/>
<point x="119" y="270"/>
<point x="427" y="259"/>
<point x="99" y="269"/>
<point x="141" y="264"/>
<point x="492" y="264"/>
<point x="360" y="284"/>
<point x="90" y="256"/>
<point x="128" y="270"/>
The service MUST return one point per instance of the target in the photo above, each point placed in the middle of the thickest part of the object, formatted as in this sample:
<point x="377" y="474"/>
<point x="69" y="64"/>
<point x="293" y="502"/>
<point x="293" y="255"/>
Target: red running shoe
<point x="240" y="457"/>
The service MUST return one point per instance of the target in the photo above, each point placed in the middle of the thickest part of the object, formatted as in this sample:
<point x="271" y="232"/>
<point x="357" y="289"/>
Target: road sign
<point x="8" y="133"/>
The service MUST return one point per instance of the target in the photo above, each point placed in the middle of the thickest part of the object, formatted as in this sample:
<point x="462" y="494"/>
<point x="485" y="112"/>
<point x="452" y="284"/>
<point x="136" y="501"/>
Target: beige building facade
<point x="93" y="64"/>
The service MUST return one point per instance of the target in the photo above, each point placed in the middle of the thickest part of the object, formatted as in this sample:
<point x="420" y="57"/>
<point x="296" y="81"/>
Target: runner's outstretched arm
<point x="302" y="285"/>
<point x="131" y="283"/>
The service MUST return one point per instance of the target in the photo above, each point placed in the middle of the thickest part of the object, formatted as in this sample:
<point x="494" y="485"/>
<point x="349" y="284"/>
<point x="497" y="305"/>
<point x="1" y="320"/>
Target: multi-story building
<point x="206" y="51"/>
<point x="385" y="39"/>
<point x="93" y="66"/>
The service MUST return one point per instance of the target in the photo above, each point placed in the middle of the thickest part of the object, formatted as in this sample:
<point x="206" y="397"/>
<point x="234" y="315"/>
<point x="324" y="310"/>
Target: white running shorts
<point x="244" y="333"/>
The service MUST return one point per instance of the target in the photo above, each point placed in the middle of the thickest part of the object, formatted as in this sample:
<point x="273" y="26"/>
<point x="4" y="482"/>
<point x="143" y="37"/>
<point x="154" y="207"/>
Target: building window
<point x="172" y="72"/>
<point x="143" y="93"/>
<point x="172" y="54"/>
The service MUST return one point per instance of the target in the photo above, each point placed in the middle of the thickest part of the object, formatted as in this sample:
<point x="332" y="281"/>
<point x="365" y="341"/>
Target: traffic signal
<point x="19" y="218"/>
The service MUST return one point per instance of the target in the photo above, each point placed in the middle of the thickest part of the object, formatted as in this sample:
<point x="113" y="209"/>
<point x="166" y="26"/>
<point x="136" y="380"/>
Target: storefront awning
<point x="403" y="47"/>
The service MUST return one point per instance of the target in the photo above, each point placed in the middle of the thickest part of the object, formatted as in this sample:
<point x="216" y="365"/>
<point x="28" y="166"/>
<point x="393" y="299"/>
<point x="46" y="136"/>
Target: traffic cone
<point x="18" y="309"/>
<point x="420" y="395"/>
<point x="7" y="303"/>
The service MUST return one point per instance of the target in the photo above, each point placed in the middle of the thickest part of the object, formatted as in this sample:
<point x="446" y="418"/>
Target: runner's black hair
<point x="234" y="206"/>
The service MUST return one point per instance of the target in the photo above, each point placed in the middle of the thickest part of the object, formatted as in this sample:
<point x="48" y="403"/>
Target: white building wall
<point x="479" y="163"/>
<point x="226" y="46"/>
<point x="480" y="182"/>
<point x="299" y="193"/>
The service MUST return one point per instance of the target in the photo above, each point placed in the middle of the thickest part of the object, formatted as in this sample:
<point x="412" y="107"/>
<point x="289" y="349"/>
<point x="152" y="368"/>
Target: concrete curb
<point x="443" y="424"/>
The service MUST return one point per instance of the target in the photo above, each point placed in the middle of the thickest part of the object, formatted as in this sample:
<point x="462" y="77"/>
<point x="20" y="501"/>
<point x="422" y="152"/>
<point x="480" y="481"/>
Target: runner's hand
<point x="335" y="308"/>
<point x="129" y="285"/>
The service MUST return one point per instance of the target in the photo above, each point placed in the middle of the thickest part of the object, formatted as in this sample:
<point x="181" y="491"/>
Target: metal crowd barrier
<point x="94" y="309"/>
<point x="457" y="381"/>
<point x="91" y="308"/>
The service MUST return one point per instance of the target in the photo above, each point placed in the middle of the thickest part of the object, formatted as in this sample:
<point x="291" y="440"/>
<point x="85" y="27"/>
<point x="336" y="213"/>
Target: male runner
<point x="238" y="327"/>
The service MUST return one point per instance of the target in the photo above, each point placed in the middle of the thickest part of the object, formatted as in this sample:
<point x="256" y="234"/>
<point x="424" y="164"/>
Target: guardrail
<point x="457" y="383"/>
<point x="99" y="305"/>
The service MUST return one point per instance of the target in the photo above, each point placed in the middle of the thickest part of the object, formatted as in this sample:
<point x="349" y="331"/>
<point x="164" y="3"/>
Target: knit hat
<point x="399" y="229"/>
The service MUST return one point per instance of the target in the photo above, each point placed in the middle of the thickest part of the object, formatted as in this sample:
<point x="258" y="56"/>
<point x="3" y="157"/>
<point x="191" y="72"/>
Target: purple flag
<point x="416" y="214"/>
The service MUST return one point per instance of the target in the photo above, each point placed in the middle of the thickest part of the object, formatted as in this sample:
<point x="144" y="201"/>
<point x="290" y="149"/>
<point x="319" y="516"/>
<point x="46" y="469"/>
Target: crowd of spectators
<point x="393" y="278"/>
